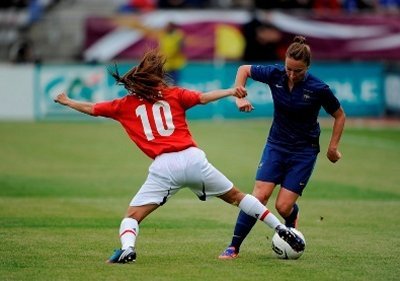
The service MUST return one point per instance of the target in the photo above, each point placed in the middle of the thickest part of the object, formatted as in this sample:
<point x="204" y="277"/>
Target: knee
<point x="284" y="208"/>
<point x="134" y="216"/>
<point x="234" y="196"/>
<point x="134" y="213"/>
<point x="263" y="199"/>
<point x="262" y="192"/>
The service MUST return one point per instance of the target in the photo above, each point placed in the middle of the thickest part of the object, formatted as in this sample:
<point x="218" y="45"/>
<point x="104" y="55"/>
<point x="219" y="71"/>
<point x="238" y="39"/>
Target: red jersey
<point x="158" y="127"/>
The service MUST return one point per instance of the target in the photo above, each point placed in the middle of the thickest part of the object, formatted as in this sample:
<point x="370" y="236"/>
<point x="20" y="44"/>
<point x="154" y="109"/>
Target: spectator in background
<point x="21" y="51"/>
<point x="389" y="6"/>
<point x="14" y="3"/>
<point x="326" y="5"/>
<point x="171" y="4"/>
<point x="171" y="43"/>
<point x="283" y="4"/>
<point x="170" y="40"/>
<point x="262" y="41"/>
<point x="358" y="5"/>
<point x="176" y="4"/>
<point x="137" y="5"/>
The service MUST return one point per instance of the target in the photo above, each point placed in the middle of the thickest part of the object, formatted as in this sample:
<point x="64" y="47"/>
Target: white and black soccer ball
<point x="282" y="249"/>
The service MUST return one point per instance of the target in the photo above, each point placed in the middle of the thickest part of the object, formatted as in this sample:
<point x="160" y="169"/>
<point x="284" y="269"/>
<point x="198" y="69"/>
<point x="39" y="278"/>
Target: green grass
<point x="65" y="186"/>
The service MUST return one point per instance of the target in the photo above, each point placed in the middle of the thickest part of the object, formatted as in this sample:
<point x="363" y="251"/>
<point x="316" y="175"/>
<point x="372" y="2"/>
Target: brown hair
<point x="146" y="79"/>
<point x="299" y="50"/>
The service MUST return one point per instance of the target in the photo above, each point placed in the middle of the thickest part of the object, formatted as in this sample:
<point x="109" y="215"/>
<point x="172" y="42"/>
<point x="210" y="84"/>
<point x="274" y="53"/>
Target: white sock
<point x="128" y="231"/>
<point x="251" y="206"/>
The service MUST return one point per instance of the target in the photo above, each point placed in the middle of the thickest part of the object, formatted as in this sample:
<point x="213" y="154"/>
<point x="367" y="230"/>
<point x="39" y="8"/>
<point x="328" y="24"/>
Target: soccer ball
<point x="282" y="249"/>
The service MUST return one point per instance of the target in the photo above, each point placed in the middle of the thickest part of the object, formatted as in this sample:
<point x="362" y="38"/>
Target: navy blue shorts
<point x="291" y="170"/>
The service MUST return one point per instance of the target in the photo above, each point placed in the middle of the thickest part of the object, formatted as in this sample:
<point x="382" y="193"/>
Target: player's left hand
<point x="244" y="105"/>
<point x="333" y="155"/>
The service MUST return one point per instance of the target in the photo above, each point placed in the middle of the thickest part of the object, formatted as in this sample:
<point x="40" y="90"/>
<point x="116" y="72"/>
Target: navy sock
<point x="291" y="219"/>
<point x="244" y="224"/>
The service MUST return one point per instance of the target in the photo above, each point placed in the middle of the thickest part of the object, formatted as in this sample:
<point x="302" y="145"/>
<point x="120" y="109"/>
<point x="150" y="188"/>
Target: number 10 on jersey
<point x="161" y="112"/>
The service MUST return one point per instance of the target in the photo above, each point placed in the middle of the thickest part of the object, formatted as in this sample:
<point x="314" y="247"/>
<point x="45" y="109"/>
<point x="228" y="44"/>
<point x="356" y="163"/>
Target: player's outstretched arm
<point x="84" y="107"/>
<point x="239" y="92"/>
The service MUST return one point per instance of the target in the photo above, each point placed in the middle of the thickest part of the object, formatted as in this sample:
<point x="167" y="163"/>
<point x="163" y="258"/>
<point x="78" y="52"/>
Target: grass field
<point x="65" y="186"/>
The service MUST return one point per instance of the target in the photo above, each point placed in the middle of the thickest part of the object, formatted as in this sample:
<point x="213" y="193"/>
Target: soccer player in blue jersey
<point x="292" y="146"/>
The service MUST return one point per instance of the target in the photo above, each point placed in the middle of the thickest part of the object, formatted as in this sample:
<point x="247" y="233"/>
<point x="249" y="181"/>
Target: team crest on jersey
<point x="307" y="94"/>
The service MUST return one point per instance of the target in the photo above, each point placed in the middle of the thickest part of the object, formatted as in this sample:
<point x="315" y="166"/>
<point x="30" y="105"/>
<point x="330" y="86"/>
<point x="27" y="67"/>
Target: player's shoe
<point x="123" y="256"/>
<point x="230" y="253"/>
<point x="291" y="238"/>
<point x="294" y="223"/>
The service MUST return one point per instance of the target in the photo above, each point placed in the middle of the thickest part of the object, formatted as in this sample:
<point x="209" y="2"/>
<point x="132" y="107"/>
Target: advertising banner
<point x="392" y="90"/>
<point x="358" y="86"/>
<point x="335" y="36"/>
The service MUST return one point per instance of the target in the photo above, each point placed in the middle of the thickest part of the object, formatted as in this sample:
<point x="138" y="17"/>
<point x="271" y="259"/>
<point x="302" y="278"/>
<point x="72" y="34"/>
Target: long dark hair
<point x="146" y="79"/>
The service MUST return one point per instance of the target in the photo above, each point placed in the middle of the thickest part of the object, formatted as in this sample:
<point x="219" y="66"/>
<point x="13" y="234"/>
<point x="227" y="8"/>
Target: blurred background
<point x="49" y="46"/>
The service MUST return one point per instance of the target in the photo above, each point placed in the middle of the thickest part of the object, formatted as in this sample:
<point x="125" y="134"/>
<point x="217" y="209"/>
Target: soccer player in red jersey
<point x="153" y="115"/>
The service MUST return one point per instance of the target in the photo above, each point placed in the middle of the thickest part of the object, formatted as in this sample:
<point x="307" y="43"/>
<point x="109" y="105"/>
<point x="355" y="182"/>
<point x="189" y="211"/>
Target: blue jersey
<point x="295" y="126"/>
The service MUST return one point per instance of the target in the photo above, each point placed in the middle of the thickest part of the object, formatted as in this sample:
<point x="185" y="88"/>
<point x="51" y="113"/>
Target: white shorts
<point x="170" y="172"/>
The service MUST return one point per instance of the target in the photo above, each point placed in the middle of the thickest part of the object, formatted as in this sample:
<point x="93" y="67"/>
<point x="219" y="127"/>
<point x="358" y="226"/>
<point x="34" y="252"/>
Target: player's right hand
<point x="240" y="92"/>
<point x="61" y="99"/>
<point x="244" y="105"/>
